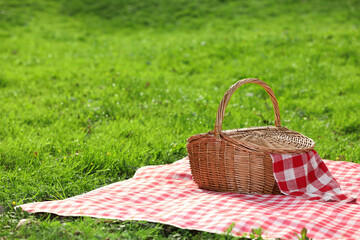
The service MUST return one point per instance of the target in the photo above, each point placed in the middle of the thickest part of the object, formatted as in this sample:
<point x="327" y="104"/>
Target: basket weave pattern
<point x="238" y="160"/>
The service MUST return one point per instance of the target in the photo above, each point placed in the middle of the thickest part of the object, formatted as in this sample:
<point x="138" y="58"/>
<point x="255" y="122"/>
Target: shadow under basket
<point x="239" y="160"/>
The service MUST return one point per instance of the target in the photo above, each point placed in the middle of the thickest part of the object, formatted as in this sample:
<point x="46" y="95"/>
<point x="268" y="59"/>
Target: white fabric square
<point x="289" y="174"/>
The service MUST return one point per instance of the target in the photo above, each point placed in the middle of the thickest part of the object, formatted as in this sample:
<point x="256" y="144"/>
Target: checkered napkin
<point x="167" y="194"/>
<point x="306" y="176"/>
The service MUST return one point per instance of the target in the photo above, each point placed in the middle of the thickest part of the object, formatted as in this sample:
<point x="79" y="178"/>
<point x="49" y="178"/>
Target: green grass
<point x="92" y="90"/>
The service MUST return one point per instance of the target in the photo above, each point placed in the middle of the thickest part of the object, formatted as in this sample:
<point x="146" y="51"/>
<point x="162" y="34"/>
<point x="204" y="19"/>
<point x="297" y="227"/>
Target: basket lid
<point x="269" y="139"/>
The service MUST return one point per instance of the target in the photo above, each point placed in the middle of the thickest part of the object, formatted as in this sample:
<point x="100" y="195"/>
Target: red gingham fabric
<point x="167" y="194"/>
<point x="306" y="176"/>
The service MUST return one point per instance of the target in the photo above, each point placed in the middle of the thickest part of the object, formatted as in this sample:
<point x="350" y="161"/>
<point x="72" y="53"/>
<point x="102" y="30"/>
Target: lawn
<point x="92" y="90"/>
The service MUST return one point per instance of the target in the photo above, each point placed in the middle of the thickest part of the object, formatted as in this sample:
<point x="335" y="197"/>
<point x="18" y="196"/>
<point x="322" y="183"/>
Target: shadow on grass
<point x="191" y="14"/>
<point x="174" y="14"/>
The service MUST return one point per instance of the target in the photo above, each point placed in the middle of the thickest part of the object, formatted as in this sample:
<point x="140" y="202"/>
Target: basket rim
<point x="225" y="135"/>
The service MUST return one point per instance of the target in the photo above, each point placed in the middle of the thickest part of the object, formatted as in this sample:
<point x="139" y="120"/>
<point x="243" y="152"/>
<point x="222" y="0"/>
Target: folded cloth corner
<point x="306" y="176"/>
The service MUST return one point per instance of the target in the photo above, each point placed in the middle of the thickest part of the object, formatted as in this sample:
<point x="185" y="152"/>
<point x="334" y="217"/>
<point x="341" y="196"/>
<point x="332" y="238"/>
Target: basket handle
<point x="224" y="102"/>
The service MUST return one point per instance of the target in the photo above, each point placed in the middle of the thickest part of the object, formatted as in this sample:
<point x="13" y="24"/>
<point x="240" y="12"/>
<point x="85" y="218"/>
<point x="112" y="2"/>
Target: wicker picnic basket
<point x="238" y="160"/>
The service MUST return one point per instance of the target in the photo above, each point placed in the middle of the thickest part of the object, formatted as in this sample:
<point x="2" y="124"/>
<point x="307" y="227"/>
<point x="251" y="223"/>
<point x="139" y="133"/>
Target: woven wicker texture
<point x="238" y="160"/>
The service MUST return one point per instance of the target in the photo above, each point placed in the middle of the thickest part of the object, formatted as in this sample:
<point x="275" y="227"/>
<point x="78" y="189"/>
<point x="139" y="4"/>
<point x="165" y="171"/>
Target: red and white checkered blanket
<point x="167" y="194"/>
<point x="306" y="176"/>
